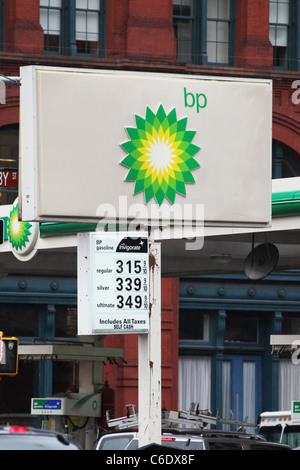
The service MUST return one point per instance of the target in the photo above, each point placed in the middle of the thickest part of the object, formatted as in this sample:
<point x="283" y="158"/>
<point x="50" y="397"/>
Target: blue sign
<point x="47" y="404"/>
<point x="53" y="405"/>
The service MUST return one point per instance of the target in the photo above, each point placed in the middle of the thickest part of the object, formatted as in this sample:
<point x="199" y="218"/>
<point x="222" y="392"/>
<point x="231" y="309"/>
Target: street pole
<point x="149" y="358"/>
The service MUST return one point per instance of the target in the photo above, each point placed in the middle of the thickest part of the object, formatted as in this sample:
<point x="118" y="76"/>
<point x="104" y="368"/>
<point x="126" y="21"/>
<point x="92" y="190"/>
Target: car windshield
<point x="271" y="433"/>
<point x="33" y="442"/>
<point x="115" y="442"/>
<point x="291" y="436"/>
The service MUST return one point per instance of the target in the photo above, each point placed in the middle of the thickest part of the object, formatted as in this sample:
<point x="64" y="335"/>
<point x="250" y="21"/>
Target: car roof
<point x="190" y="432"/>
<point x="211" y="435"/>
<point x="28" y="431"/>
<point x="226" y="442"/>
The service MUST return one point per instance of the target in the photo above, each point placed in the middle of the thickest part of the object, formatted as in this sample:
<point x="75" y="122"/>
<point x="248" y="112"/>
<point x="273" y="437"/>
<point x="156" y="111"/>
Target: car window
<point x="187" y="444"/>
<point x="33" y="442"/>
<point x="133" y="445"/>
<point x="115" y="442"/>
<point x="266" y="447"/>
<point x="219" y="445"/>
<point x="291" y="435"/>
<point x="192" y="445"/>
<point x="271" y="433"/>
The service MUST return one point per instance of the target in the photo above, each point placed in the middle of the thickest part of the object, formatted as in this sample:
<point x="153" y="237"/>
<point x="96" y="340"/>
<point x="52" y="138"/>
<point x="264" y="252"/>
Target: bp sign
<point x="22" y="236"/>
<point x="152" y="148"/>
<point x="296" y="409"/>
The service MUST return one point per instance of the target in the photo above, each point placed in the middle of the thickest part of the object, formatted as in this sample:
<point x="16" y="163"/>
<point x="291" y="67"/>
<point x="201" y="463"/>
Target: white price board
<point x="113" y="283"/>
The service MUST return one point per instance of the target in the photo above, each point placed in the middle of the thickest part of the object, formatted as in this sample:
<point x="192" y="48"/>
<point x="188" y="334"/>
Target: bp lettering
<point x="199" y="100"/>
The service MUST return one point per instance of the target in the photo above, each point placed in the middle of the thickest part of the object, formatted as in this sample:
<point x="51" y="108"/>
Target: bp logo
<point x="160" y="155"/>
<point x="21" y="235"/>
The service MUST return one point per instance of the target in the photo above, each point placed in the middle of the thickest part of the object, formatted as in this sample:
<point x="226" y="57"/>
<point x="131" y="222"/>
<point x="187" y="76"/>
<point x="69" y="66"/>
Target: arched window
<point x="285" y="162"/>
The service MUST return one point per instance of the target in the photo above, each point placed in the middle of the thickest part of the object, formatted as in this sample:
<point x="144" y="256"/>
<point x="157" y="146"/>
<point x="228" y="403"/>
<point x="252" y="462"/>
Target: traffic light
<point x="8" y="355"/>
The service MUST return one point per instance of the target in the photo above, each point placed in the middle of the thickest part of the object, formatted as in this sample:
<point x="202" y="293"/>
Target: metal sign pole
<point x="149" y="358"/>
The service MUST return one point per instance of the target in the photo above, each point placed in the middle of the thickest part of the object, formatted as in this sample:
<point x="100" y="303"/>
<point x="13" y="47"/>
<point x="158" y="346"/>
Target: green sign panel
<point x="46" y="404"/>
<point x="296" y="407"/>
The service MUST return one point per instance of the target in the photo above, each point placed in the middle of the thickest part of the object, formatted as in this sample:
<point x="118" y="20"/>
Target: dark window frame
<point x="198" y="21"/>
<point x="281" y="55"/>
<point x="68" y="44"/>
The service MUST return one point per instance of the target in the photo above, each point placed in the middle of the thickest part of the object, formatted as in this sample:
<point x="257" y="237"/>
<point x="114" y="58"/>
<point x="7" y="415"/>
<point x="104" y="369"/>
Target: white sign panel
<point x="143" y="146"/>
<point x="113" y="283"/>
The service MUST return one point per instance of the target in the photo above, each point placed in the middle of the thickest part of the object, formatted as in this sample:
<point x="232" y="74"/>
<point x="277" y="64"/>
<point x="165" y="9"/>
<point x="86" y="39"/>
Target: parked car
<point x="190" y="440"/>
<point x="28" y="438"/>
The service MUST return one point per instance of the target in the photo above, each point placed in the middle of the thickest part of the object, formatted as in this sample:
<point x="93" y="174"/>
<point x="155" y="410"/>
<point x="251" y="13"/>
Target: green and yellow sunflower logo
<point x="160" y="155"/>
<point x="18" y="232"/>
<point x="21" y="235"/>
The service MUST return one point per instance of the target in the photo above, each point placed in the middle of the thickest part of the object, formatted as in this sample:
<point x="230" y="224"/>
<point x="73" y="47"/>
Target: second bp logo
<point x="21" y="235"/>
<point x="160" y="155"/>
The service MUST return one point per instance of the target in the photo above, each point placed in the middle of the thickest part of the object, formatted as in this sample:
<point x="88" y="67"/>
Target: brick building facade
<point x="169" y="36"/>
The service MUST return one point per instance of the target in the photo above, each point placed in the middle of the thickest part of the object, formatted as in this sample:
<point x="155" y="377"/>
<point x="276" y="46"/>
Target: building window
<point x="241" y="327"/>
<point x="183" y="27"/>
<point x="193" y="325"/>
<point x="50" y="19"/>
<point x="290" y="324"/>
<point x="285" y="162"/>
<point x="204" y="31"/>
<point x="279" y="31"/>
<point x="87" y="26"/>
<point x="73" y="28"/>
<point x="9" y="154"/>
<point x="218" y="28"/>
<point x="2" y="8"/>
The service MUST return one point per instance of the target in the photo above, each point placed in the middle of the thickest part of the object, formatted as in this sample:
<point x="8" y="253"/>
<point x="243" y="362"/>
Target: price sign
<point x="116" y="293"/>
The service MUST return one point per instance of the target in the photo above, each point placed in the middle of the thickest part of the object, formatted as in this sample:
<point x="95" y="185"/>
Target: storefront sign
<point x="45" y="405"/>
<point x="113" y="283"/>
<point x="8" y="179"/>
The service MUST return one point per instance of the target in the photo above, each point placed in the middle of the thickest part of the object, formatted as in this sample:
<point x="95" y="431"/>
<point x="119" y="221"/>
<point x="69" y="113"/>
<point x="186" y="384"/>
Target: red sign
<point x="9" y="179"/>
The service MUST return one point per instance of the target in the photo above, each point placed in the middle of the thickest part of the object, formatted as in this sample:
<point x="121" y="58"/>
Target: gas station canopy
<point x="217" y="250"/>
